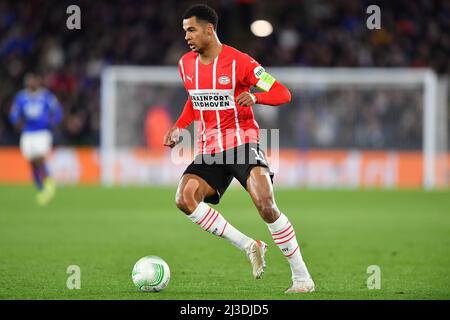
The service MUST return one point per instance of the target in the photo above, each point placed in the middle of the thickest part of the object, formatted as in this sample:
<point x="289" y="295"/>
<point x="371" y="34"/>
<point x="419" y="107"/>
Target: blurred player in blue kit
<point x="35" y="112"/>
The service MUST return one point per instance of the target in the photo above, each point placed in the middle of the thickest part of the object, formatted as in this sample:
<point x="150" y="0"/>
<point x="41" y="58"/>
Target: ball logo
<point x="258" y="71"/>
<point x="223" y="80"/>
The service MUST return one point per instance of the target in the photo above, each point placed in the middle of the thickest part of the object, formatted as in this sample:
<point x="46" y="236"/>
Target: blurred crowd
<point x="312" y="33"/>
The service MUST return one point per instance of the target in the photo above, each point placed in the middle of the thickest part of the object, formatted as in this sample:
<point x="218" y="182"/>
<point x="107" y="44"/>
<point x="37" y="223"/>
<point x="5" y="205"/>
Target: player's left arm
<point x="56" y="111"/>
<point x="276" y="95"/>
<point x="273" y="92"/>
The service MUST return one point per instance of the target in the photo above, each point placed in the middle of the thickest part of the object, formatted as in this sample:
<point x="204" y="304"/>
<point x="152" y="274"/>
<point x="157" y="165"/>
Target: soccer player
<point x="218" y="78"/>
<point x="34" y="112"/>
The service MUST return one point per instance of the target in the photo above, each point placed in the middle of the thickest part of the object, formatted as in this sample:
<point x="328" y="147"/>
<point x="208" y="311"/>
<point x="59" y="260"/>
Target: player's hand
<point x="172" y="137"/>
<point x="246" y="99"/>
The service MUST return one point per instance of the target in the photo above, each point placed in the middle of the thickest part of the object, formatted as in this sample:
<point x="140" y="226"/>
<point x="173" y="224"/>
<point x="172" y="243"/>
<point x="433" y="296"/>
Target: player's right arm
<point x="15" y="115"/>
<point x="186" y="118"/>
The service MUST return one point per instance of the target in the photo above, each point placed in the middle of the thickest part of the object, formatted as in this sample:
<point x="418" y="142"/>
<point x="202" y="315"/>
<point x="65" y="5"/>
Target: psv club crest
<point x="224" y="80"/>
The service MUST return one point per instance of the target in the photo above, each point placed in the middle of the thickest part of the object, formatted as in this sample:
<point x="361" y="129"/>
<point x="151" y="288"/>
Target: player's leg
<point x="49" y="184"/>
<point x="46" y="187"/>
<point x="27" y="147"/>
<point x="41" y="146"/>
<point x="36" y="173"/>
<point x="40" y="171"/>
<point x="259" y="186"/>
<point x="191" y="193"/>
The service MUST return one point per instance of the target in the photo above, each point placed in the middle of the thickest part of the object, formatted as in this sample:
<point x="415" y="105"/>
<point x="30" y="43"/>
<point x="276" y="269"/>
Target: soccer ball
<point x="151" y="274"/>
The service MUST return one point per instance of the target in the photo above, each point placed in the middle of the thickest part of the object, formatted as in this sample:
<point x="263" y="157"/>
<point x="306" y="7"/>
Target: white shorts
<point x="35" y="144"/>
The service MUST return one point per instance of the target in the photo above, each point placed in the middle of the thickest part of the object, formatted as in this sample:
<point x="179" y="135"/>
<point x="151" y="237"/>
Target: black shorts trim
<point x="218" y="172"/>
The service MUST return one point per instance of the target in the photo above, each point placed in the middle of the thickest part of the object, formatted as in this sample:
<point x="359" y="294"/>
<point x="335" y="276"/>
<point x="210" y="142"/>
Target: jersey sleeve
<point x="187" y="116"/>
<point x="181" y="69"/>
<point x="16" y="111"/>
<point x="277" y="95"/>
<point x="255" y="75"/>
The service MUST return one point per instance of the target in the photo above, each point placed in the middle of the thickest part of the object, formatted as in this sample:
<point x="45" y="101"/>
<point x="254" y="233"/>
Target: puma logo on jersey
<point x="189" y="78"/>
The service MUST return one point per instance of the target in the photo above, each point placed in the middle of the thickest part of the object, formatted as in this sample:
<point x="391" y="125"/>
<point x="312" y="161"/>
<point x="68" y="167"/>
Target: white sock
<point x="284" y="236"/>
<point x="212" y="221"/>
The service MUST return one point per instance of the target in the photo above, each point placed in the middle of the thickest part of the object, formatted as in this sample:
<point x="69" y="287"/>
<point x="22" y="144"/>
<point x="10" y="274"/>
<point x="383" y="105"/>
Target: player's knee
<point x="185" y="197"/>
<point x="181" y="204"/>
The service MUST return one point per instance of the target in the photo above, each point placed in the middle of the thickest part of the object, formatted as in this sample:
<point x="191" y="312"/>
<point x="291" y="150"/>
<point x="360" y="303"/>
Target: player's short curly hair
<point x="202" y="12"/>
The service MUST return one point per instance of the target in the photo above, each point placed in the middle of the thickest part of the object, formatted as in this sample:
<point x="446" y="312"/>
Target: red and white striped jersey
<point x="212" y="89"/>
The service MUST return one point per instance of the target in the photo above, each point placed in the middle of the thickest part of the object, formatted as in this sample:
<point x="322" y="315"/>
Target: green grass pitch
<point x="106" y="230"/>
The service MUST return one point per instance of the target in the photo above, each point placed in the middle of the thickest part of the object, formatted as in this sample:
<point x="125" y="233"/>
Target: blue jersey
<point x="39" y="110"/>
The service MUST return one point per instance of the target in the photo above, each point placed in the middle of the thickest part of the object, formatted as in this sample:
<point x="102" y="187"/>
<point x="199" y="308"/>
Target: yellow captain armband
<point x="265" y="80"/>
